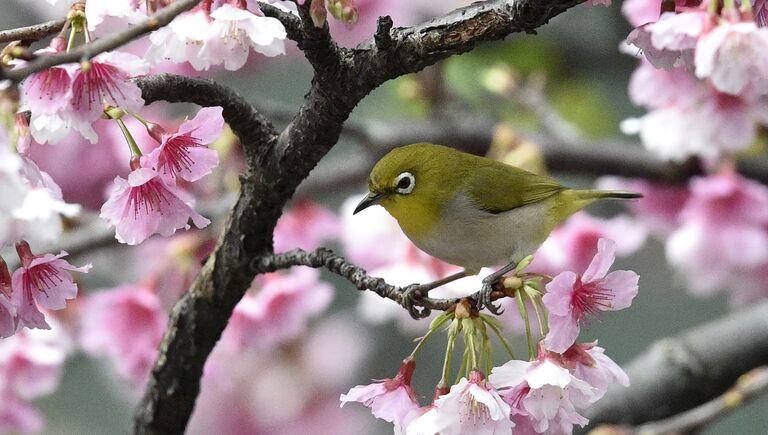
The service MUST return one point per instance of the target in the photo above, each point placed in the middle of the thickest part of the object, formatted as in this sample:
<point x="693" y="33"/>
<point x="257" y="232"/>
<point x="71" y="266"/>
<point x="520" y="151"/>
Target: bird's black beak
<point x="371" y="199"/>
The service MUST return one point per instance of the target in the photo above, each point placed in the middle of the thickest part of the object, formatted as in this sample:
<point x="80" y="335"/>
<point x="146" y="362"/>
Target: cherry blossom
<point x="145" y="204"/>
<point x="122" y="11"/>
<point x="183" y="39"/>
<point x="185" y="153"/>
<point x="471" y="406"/>
<point x="588" y="362"/>
<point x="571" y="298"/>
<point x="280" y="310"/>
<point x="542" y="395"/>
<point x="661" y="203"/>
<point x="43" y="279"/>
<point x="124" y="324"/>
<point x="389" y="399"/>
<point x="671" y="40"/>
<point x="734" y="56"/>
<point x="8" y="318"/>
<point x="305" y="225"/>
<point x="235" y="31"/>
<point x="722" y="231"/>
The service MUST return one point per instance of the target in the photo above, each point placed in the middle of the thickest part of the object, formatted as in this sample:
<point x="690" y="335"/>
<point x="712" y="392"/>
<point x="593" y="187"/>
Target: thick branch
<point x="679" y="373"/>
<point x="106" y="43"/>
<point x="748" y="387"/>
<point x="342" y="79"/>
<point x="32" y="33"/>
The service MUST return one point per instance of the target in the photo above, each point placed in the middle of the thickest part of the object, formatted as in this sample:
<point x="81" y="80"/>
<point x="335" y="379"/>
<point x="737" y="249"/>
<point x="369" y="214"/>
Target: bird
<point x="471" y="211"/>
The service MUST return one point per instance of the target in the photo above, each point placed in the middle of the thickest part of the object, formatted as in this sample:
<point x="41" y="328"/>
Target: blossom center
<point x="149" y="197"/>
<point x="98" y="82"/>
<point x="473" y="411"/>
<point x="41" y="278"/>
<point x="175" y="156"/>
<point x="588" y="299"/>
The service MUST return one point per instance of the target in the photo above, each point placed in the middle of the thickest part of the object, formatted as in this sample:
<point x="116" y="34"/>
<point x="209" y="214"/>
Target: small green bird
<point x="472" y="211"/>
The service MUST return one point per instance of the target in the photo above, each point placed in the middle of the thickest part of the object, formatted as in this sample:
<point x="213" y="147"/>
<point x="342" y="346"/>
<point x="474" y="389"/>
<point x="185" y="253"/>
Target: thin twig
<point x="748" y="387"/>
<point x="106" y="43"/>
<point x="32" y="33"/>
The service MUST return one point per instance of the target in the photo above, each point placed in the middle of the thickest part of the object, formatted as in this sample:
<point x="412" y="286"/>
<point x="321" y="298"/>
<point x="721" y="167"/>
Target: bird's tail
<point x="607" y="194"/>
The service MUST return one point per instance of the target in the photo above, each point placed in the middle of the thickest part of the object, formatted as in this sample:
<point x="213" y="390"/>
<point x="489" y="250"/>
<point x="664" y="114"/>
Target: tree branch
<point x="32" y="33"/>
<point x="106" y="43"/>
<point x="679" y="373"/>
<point x="748" y="387"/>
<point x="277" y="166"/>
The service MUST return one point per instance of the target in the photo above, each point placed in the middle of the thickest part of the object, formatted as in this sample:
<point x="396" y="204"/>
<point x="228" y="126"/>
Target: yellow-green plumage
<point x="473" y="211"/>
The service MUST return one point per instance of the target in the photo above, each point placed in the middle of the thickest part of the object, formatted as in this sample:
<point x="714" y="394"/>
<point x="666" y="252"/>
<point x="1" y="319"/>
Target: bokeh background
<point x="574" y="61"/>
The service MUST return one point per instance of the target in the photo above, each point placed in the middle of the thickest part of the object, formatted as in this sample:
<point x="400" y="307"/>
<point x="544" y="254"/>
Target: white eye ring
<point x="405" y="182"/>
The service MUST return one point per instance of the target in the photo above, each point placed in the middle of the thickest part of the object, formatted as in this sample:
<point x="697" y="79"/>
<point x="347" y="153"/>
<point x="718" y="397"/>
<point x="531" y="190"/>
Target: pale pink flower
<point x="124" y="11"/>
<point x="656" y="88"/>
<point x="389" y="399"/>
<point x="639" y="12"/>
<point x="334" y="351"/>
<point x="124" y="324"/>
<point x="18" y="416"/>
<point x="542" y="395"/>
<point x="734" y="56"/>
<point x="708" y="126"/>
<point x="31" y="363"/>
<point x="661" y="203"/>
<point x="105" y="82"/>
<point x="183" y="39"/>
<point x="571" y="298"/>
<point x="588" y="362"/>
<point x="280" y="310"/>
<point x="723" y="231"/>
<point x="571" y="246"/>
<point x="237" y="31"/>
<point x="305" y="225"/>
<point x="145" y="205"/>
<point x="47" y="91"/>
<point x="472" y="406"/>
<point x="671" y="40"/>
<point x="43" y="279"/>
<point x="185" y="154"/>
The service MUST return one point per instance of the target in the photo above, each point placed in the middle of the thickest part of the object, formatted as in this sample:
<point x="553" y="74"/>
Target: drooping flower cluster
<point x="149" y="201"/>
<point x="41" y="281"/>
<point x="703" y="78"/>
<point x="542" y="395"/>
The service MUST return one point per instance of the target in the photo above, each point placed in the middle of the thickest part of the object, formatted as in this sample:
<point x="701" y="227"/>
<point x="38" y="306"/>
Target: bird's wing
<point x="499" y="187"/>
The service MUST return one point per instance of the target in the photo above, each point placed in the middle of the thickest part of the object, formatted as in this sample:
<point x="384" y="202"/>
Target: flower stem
<point x="464" y="364"/>
<point x="132" y="145"/>
<point x="452" y="333"/>
<point x="524" y="313"/>
<point x="71" y="40"/>
<point x="496" y="329"/>
<point x="140" y="118"/>
<point x="432" y="328"/>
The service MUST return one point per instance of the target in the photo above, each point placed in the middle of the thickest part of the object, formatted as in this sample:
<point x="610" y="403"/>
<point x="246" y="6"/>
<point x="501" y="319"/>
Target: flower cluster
<point x="541" y="395"/>
<point x="40" y="281"/>
<point x="703" y="77"/>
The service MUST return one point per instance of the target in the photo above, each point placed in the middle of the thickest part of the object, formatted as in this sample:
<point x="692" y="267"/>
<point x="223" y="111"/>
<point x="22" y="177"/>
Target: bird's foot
<point x="485" y="298"/>
<point x="409" y="300"/>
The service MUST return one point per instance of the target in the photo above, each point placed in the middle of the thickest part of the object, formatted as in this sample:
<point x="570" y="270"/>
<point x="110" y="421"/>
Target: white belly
<point x="473" y="238"/>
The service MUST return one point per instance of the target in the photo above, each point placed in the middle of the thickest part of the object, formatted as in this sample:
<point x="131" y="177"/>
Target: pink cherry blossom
<point x="471" y="406"/>
<point x="122" y="11"/>
<point x="305" y="225"/>
<point x="47" y="91"/>
<point x="145" y="205"/>
<point x="722" y="231"/>
<point x="542" y="395"/>
<point x="671" y="40"/>
<point x="43" y="279"/>
<point x="588" y="362"/>
<point x="104" y="81"/>
<point x="661" y="203"/>
<point x="31" y="363"/>
<point x="389" y="399"/>
<point x="18" y="416"/>
<point x="639" y="12"/>
<point x="657" y="88"/>
<point x="235" y="31"/>
<point x="183" y="40"/>
<point x="185" y="153"/>
<point x="124" y="324"/>
<point x="571" y="298"/>
<point x="571" y="246"/>
<point x="280" y="310"/>
<point x="9" y="320"/>
<point x="734" y="56"/>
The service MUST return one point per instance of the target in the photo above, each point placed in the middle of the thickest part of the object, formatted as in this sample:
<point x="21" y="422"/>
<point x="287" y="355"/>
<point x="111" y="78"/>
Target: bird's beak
<point x="369" y="200"/>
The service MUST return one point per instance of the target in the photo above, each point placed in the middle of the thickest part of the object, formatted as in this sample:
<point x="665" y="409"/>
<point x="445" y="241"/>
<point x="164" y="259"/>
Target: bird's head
<point x="412" y="181"/>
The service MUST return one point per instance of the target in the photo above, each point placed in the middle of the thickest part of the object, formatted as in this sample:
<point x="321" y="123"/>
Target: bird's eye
<point x="405" y="183"/>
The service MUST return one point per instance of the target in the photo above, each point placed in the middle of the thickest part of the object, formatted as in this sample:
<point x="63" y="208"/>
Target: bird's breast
<point x="467" y="236"/>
